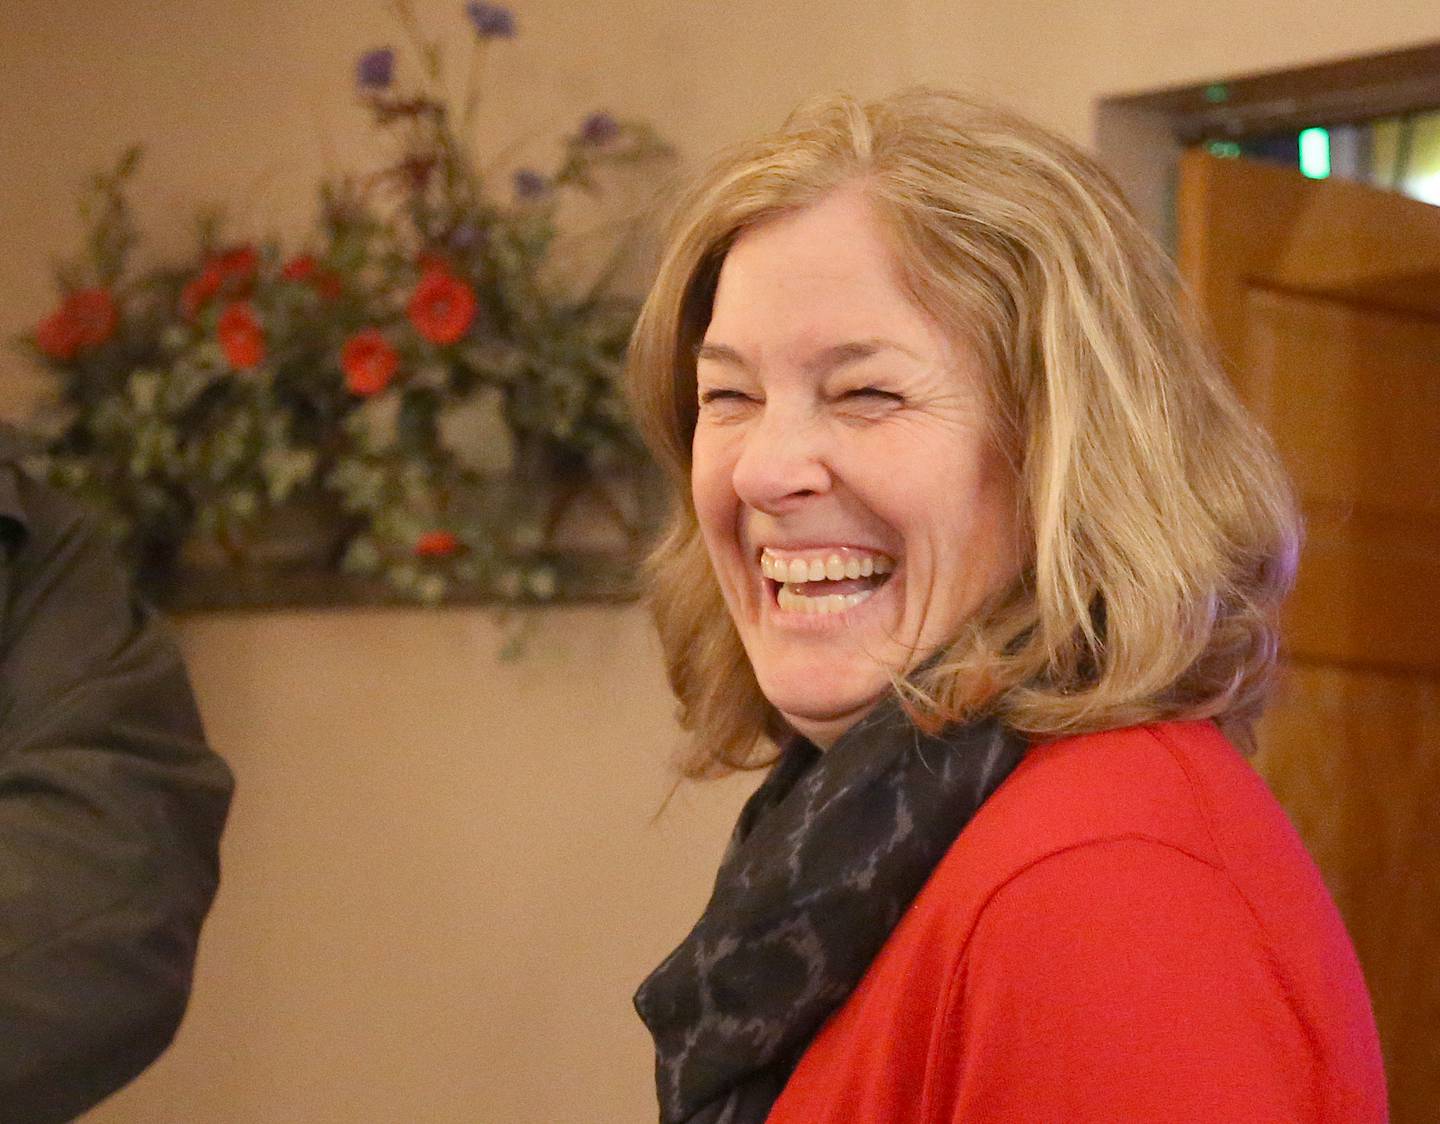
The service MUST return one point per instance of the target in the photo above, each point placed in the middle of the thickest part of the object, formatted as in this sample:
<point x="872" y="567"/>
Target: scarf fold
<point x="827" y="855"/>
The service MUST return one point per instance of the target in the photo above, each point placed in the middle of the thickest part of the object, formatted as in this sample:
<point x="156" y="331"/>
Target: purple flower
<point x="375" y="68"/>
<point x="599" y="129"/>
<point x="492" y="21"/>
<point x="464" y="236"/>
<point x="529" y="184"/>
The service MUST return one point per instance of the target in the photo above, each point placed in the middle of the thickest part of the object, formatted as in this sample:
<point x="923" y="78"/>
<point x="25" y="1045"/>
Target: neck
<point x="825" y="732"/>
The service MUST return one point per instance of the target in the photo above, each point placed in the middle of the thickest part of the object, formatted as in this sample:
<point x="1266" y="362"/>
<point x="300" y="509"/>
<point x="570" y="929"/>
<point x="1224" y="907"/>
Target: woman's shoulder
<point x="1155" y="855"/>
<point x="1163" y="831"/>
<point x="1182" y="785"/>
<point x="1163" y="797"/>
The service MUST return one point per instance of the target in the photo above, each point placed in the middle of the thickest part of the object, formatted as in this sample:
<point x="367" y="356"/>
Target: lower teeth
<point x="792" y="602"/>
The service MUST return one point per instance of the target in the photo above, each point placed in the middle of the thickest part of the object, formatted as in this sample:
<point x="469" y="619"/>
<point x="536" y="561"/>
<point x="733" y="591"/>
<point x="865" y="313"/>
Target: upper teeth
<point x="823" y="567"/>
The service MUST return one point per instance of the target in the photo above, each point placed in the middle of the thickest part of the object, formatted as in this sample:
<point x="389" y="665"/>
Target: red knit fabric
<point x="1128" y="930"/>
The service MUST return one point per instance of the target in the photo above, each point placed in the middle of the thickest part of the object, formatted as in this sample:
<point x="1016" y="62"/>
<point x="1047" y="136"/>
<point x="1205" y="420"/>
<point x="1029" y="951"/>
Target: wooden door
<point x="1325" y="299"/>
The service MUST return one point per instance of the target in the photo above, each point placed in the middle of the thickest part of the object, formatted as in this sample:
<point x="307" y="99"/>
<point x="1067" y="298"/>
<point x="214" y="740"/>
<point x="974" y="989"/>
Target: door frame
<point x="1139" y="136"/>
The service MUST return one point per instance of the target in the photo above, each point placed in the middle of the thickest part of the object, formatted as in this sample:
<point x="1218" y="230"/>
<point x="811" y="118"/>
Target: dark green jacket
<point x="111" y="808"/>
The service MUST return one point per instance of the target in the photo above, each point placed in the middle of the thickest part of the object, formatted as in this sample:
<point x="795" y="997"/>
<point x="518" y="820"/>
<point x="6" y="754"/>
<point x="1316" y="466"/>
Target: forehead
<point x="814" y="278"/>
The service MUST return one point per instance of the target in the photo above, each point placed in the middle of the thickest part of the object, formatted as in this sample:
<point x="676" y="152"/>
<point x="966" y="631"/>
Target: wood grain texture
<point x="1355" y="759"/>
<point x="1325" y="300"/>
<point x="1352" y="397"/>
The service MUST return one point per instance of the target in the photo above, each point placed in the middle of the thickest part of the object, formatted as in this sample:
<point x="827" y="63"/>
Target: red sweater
<point x="1128" y="930"/>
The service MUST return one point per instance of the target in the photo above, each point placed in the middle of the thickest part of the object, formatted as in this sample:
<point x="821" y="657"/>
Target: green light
<point x="1315" y="153"/>
<point x="1228" y="149"/>
<point x="1217" y="92"/>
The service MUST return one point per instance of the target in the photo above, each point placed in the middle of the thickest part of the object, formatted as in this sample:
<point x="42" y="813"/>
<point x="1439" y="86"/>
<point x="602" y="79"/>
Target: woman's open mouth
<point x="823" y="581"/>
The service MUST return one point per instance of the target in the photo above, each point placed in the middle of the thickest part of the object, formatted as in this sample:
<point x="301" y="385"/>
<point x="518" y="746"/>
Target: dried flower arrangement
<point x="214" y="407"/>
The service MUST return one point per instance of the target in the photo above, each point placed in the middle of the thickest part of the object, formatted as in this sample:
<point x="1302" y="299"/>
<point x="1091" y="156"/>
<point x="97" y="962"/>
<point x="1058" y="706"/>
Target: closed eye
<point x="873" y="392"/>
<point x="721" y="394"/>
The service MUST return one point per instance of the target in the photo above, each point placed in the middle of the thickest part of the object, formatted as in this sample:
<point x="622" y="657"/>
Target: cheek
<point x="999" y="508"/>
<point x="983" y="535"/>
<point x="712" y="487"/>
<point x="963" y="523"/>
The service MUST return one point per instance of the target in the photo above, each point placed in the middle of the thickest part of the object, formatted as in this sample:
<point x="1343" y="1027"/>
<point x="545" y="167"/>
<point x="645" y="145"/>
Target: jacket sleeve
<point x="1123" y="980"/>
<point x="111" y="808"/>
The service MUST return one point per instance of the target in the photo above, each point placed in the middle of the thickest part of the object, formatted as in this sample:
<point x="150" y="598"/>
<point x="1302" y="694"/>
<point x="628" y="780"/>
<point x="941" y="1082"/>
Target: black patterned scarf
<point x="826" y="856"/>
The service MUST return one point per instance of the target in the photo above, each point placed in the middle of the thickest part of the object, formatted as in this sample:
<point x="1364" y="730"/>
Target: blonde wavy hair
<point x="1162" y="531"/>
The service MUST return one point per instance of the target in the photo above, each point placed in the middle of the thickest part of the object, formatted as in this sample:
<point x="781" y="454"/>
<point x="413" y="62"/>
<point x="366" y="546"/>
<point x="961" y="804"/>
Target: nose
<point x="782" y="461"/>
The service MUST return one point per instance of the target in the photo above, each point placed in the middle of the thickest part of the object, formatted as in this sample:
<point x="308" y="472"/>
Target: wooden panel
<point x="1321" y="235"/>
<point x="1355" y="759"/>
<point x="1352" y="398"/>
<point x="1351" y="395"/>
<point x="1243" y="224"/>
<point x="1323" y="297"/>
<point x="1366" y="595"/>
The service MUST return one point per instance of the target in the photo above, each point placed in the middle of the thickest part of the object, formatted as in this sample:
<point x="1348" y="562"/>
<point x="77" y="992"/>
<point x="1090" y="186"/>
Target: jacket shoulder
<point x="1166" y="784"/>
<point x="1163" y="782"/>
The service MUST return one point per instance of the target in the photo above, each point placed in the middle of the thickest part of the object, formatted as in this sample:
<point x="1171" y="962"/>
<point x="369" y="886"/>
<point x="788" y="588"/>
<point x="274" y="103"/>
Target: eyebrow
<point x="838" y="355"/>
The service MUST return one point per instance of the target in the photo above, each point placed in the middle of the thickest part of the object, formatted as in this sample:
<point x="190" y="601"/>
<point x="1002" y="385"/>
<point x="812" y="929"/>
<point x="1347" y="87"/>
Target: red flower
<point x="57" y="336"/>
<point x="241" y="337"/>
<point x="300" y="268"/>
<point x="436" y="544"/>
<point x="86" y="318"/>
<point x="442" y="307"/>
<point x="369" y="362"/>
<point x="234" y="271"/>
<point x="237" y="265"/>
<point x="94" y="315"/>
<point x="199" y="291"/>
<point x="328" y="283"/>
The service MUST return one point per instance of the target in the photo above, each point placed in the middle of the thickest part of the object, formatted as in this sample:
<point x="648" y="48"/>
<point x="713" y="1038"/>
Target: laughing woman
<point x="974" y="544"/>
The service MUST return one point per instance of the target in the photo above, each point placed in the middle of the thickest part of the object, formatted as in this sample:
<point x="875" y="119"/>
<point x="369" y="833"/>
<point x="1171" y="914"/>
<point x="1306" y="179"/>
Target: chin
<point x="822" y="703"/>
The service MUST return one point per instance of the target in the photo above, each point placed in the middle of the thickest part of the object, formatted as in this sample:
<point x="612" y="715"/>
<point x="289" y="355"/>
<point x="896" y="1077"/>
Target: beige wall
<point x="441" y="881"/>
